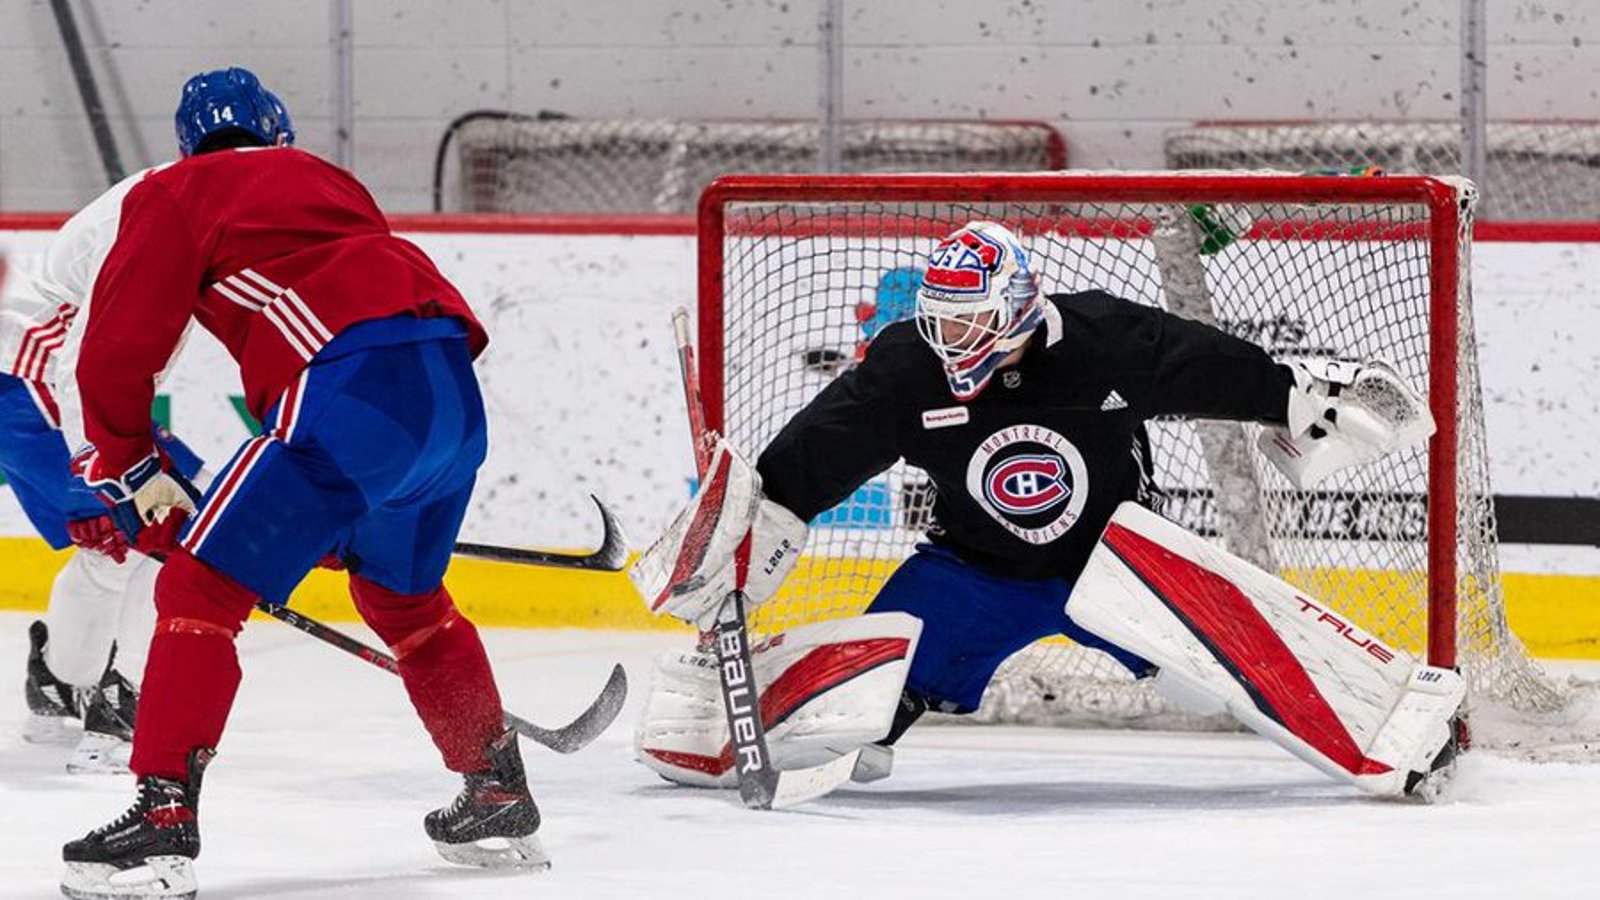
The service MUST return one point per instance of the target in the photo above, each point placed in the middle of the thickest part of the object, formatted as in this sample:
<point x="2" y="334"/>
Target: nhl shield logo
<point x="1031" y="480"/>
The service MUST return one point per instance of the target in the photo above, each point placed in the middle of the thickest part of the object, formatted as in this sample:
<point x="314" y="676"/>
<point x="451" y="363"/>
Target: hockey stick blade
<point x="799" y="785"/>
<point x="582" y="731"/>
<point x="568" y="739"/>
<point x="611" y="557"/>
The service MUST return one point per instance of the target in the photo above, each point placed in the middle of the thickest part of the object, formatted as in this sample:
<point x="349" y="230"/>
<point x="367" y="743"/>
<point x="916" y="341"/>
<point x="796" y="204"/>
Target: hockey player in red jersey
<point x="355" y="355"/>
<point x="86" y="657"/>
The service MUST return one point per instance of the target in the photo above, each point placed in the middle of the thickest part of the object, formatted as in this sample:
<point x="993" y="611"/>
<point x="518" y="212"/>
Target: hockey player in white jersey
<point x="1038" y="529"/>
<point x="86" y="657"/>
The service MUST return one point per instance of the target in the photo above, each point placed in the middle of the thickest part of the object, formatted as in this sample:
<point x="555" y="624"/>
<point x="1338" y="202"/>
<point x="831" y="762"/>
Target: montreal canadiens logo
<point x="1031" y="480"/>
<point x="1028" y="484"/>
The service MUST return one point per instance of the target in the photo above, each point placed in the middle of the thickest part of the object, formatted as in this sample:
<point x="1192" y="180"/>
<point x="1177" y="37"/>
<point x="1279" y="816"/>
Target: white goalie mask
<point x="978" y="302"/>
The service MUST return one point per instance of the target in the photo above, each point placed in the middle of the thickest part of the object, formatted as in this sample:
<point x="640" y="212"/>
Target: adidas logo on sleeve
<point x="1113" y="402"/>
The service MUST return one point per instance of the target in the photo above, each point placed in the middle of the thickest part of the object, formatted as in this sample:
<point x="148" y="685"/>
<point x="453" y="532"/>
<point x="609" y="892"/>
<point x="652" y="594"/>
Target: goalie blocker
<point x="1228" y="636"/>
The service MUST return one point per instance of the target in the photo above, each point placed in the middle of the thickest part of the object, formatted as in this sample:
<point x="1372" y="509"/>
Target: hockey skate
<point x="1434" y="785"/>
<point x="52" y="708"/>
<point x="107" y="711"/>
<point x="877" y="760"/>
<point x="149" y="850"/>
<point x="493" y="821"/>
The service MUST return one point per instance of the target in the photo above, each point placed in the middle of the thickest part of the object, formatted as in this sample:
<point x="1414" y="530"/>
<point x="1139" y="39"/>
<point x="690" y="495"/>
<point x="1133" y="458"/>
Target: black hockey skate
<point x="52" y="708"/>
<point x="493" y="821"/>
<point x="149" y="850"/>
<point x="877" y="760"/>
<point x="108" y="710"/>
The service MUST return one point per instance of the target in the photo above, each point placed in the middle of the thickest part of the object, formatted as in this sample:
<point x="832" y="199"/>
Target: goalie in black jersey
<point x="1027" y="412"/>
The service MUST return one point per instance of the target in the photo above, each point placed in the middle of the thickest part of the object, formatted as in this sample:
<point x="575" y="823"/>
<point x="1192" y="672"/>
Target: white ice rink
<point x="324" y="776"/>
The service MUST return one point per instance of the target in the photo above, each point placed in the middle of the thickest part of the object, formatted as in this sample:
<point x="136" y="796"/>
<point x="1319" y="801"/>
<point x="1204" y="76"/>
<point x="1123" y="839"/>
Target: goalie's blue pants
<point x="370" y="454"/>
<point x="972" y="620"/>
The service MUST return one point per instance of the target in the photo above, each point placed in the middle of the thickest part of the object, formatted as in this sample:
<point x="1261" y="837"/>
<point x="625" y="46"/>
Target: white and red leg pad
<point x="826" y="689"/>
<point x="1227" y="635"/>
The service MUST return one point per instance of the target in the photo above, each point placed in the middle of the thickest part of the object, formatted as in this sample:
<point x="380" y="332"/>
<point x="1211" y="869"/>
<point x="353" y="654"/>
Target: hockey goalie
<point x="1028" y="414"/>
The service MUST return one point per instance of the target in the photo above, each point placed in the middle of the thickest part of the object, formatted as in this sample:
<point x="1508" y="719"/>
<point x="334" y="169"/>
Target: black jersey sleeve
<point x="1203" y="372"/>
<point x="844" y="436"/>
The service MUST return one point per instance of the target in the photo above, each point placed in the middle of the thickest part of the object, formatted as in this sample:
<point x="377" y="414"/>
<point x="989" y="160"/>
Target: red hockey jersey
<point x="272" y="250"/>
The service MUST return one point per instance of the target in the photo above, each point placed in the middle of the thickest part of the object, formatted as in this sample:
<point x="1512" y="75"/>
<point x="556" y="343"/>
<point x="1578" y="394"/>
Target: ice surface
<point x="324" y="776"/>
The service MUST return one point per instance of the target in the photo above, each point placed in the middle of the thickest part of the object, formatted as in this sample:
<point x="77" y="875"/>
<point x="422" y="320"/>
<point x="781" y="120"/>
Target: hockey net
<point x="797" y="274"/>
<point x="528" y="164"/>
<point x="1538" y="171"/>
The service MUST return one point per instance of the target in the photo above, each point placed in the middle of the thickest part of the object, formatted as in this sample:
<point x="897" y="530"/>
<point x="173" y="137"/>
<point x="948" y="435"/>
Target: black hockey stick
<point x="741" y="696"/>
<point x="573" y="736"/>
<point x="611" y="557"/>
<point x="761" y="784"/>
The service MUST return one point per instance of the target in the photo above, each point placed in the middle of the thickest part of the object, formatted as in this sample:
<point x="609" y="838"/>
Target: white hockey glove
<point x="1344" y="414"/>
<point x="729" y="537"/>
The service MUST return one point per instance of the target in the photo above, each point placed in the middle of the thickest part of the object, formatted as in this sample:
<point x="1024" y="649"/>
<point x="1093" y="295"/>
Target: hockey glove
<point x="729" y="537"/>
<point x="99" y="534"/>
<point x="1344" y="414"/>
<point x="149" y="502"/>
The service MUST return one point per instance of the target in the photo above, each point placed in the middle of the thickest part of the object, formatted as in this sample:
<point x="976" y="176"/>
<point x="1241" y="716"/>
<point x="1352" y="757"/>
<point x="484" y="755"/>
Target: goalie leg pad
<point x="1285" y="665"/>
<point x="826" y="689"/>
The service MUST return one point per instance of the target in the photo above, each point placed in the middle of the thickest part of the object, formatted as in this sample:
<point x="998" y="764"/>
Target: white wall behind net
<point x="1112" y="75"/>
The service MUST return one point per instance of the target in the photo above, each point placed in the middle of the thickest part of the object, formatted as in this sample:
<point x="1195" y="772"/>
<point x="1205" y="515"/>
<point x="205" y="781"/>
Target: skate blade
<point x="51" y="729"/>
<point x="874" y="764"/>
<point x="160" y="876"/>
<point x="1436" y="786"/>
<point x="498" y="853"/>
<point x="100" y="754"/>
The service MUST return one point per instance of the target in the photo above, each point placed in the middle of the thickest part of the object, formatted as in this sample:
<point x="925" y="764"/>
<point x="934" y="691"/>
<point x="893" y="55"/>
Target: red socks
<point x="445" y="670"/>
<point x="193" y="670"/>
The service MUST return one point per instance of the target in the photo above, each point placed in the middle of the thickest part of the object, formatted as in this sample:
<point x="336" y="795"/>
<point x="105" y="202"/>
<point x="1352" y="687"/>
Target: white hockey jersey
<point x="39" y="302"/>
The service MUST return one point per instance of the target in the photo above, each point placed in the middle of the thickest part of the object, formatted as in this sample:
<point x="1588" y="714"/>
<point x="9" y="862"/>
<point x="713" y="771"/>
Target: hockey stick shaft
<point x="571" y="737"/>
<point x="612" y="555"/>
<point x="741" y="696"/>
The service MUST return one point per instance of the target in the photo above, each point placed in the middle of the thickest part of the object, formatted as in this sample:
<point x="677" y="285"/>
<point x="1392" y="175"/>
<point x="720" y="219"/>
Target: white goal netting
<point x="527" y="164"/>
<point x="1535" y="171"/>
<point x="797" y="274"/>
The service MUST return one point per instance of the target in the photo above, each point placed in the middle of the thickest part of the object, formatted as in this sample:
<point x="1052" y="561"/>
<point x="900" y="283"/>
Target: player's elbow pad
<point x="1344" y="414"/>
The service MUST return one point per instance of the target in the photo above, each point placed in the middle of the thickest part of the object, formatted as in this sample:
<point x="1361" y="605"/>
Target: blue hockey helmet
<point x="229" y="99"/>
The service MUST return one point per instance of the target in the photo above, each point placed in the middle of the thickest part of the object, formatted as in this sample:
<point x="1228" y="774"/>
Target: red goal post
<point x="1377" y="266"/>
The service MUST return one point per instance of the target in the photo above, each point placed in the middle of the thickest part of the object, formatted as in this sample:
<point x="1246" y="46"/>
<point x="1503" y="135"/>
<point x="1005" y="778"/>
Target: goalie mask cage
<point x="797" y="272"/>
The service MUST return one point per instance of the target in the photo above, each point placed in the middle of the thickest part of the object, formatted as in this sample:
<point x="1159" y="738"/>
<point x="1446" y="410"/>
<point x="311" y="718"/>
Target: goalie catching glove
<point x="729" y="538"/>
<point x="1344" y="414"/>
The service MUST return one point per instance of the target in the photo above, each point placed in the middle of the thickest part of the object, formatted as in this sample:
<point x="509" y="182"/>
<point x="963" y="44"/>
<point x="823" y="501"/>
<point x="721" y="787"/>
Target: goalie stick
<point x="612" y="555"/>
<point x="573" y="736"/>
<point x="760" y="785"/>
